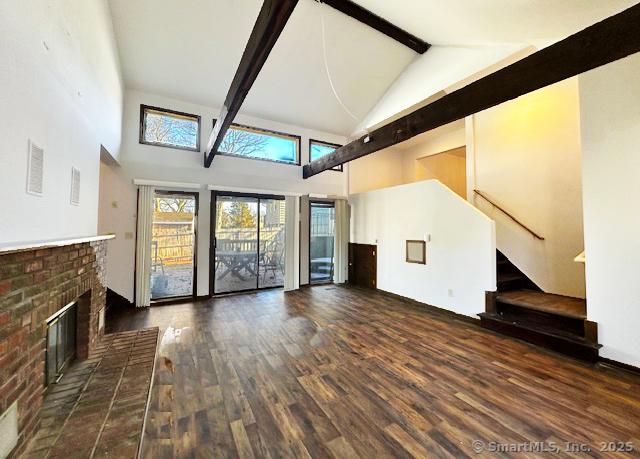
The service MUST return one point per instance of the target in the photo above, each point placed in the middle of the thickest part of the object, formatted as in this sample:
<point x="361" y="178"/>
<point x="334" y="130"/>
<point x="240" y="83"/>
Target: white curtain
<point x="341" y="244"/>
<point x="292" y="243"/>
<point x="304" y="240"/>
<point x="143" y="245"/>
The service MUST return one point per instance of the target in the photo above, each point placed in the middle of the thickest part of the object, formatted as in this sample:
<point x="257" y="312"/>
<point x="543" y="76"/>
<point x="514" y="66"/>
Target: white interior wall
<point x="444" y="138"/>
<point x="377" y="170"/>
<point x="432" y="74"/>
<point x="460" y="256"/>
<point x="173" y="165"/>
<point x="610" y="127"/>
<point x="526" y="156"/>
<point x="60" y="86"/>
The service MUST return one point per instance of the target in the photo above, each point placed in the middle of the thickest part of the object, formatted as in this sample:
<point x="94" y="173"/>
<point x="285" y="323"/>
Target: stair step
<point x="565" y="306"/>
<point x="509" y="282"/>
<point x="510" y="276"/>
<point x="553" y="339"/>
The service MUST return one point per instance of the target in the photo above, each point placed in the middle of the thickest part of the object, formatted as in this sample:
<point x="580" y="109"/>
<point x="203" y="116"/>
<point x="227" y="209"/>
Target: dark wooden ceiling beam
<point x="271" y="20"/>
<point x="380" y="24"/>
<point x="607" y="41"/>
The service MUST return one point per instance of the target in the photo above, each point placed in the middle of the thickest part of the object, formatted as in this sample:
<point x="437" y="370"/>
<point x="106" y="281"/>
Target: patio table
<point x="236" y="261"/>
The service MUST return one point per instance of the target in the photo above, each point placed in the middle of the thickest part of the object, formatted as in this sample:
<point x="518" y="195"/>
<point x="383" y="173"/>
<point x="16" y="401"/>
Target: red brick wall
<point x="34" y="285"/>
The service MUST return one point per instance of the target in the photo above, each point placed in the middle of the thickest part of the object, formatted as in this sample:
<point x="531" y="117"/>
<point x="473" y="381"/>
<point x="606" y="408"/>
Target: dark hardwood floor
<point x="343" y="372"/>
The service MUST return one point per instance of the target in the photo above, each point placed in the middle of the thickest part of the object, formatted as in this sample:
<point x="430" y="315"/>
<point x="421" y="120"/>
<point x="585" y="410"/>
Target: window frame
<point x="143" y="124"/>
<point x="338" y="168"/>
<point x="269" y="132"/>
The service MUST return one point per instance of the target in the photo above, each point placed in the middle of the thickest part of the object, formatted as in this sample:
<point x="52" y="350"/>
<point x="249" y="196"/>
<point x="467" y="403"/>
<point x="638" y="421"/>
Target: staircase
<point x="519" y="308"/>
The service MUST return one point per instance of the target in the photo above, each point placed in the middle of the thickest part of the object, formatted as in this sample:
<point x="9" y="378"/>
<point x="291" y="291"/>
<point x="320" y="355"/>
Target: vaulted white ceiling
<point x="485" y="22"/>
<point x="190" y="49"/>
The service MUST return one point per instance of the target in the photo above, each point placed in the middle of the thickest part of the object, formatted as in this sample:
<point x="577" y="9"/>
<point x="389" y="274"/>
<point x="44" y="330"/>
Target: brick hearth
<point x="35" y="282"/>
<point x="97" y="409"/>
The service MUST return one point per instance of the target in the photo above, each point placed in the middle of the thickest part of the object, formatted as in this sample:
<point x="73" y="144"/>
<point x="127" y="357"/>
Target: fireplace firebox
<point x="61" y="342"/>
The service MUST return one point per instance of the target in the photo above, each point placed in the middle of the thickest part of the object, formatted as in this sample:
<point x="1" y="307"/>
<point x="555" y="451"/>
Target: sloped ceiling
<point x="190" y="49"/>
<point x="486" y="22"/>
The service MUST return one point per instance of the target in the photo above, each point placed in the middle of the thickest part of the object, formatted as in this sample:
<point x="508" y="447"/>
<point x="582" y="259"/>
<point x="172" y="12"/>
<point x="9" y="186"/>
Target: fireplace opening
<point x="61" y="342"/>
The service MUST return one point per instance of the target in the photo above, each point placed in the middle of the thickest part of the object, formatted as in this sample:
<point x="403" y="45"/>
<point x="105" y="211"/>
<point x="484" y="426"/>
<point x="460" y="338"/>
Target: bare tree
<point x="164" y="129"/>
<point x="171" y="204"/>
<point x="241" y="142"/>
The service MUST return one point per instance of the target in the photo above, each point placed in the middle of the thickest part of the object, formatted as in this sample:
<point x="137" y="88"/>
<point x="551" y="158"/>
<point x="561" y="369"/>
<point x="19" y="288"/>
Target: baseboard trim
<point x="431" y="308"/>
<point x="618" y="365"/>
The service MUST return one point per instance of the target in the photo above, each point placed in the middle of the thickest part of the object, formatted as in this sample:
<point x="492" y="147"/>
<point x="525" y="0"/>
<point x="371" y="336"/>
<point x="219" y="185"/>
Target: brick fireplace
<point x="36" y="281"/>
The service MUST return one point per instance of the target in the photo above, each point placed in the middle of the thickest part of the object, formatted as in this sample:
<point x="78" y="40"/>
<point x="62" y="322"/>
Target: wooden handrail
<point x="533" y="233"/>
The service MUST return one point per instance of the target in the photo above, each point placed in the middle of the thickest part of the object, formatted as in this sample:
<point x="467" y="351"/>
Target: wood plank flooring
<point x="342" y="372"/>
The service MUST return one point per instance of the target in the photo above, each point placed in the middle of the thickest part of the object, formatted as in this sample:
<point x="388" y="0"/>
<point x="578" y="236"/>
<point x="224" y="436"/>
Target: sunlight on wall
<point x="528" y="161"/>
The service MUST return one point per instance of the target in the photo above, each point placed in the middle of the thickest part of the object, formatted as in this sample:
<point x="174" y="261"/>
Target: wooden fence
<point x="172" y="243"/>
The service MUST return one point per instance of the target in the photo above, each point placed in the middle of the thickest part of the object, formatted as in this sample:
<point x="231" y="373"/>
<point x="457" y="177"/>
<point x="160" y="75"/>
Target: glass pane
<point x="254" y="143"/>
<point x="170" y="129"/>
<point x="236" y="232"/>
<point x="172" y="245"/>
<point x="52" y="345"/>
<point x="71" y="333"/>
<point x="321" y="242"/>
<point x="271" y="266"/>
<point x="319" y="149"/>
<point x="60" y="349"/>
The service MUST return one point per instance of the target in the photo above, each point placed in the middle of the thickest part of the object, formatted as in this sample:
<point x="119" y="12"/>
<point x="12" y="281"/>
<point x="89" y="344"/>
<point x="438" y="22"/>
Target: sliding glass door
<point x="271" y="263"/>
<point x="248" y="242"/>
<point x="173" y="245"/>
<point x="321" y="241"/>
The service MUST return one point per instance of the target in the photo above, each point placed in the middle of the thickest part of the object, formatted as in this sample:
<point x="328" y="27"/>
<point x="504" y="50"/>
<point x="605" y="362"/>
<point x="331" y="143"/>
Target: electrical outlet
<point x="128" y="235"/>
<point x="114" y="204"/>
<point x="450" y="292"/>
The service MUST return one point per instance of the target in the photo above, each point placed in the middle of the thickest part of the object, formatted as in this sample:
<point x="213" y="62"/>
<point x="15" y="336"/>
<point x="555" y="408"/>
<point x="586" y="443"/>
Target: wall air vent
<point x="35" y="170"/>
<point x="75" y="186"/>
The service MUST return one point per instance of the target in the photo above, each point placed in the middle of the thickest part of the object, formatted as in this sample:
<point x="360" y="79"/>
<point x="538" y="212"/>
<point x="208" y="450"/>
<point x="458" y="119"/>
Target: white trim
<point x="327" y="196"/>
<point x="58" y="313"/>
<point x="24" y="246"/>
<point x="163" y="184"/>
<point x="252" y="190"/>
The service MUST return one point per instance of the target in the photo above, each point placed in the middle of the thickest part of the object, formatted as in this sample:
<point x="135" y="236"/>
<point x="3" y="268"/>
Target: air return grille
<point x="35" y="170"/>
<point x="75" y="186"/>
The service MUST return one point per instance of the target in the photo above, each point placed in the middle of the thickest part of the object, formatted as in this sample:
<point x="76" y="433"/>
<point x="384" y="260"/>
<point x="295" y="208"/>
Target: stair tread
<point x="544" y="331"/>
<point x="509" y="277"/>
<point x="565" y="306"/>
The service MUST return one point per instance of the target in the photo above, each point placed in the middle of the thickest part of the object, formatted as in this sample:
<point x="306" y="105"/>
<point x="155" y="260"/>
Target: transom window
<point x="256" y="143"/>
<point x="168" y="128"/>
<point x="318" y="149"/>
